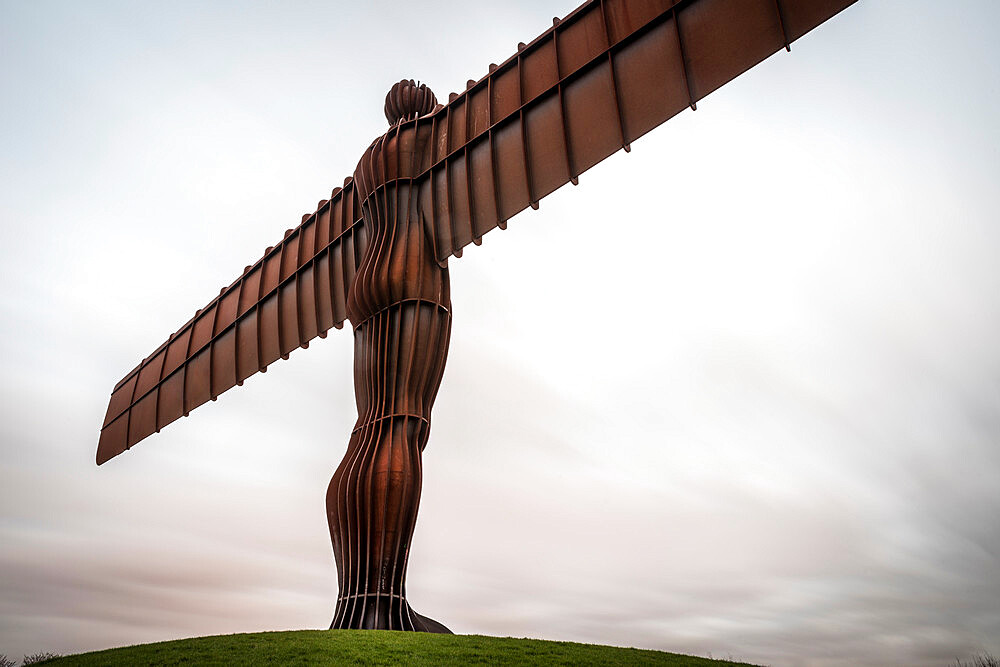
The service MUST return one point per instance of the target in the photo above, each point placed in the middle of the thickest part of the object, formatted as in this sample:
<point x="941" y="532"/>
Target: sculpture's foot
<point x="378" y="613"/>
<point x="428" y="624"/>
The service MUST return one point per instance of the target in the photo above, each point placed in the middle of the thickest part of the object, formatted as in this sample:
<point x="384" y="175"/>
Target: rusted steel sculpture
<point x="376" y="252"/>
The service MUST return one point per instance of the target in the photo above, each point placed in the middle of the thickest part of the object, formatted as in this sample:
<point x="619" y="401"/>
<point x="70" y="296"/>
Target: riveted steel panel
<point x="224" y="362"/>
<point x="247" y="359"/>
<point x="544" y="130"/>
<point x="651" y="79"/>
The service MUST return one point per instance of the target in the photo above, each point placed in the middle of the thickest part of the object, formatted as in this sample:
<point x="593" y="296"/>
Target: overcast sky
<point x="767" y="427"/>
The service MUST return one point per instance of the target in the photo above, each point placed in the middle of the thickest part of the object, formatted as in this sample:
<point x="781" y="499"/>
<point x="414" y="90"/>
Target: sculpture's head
<point x="407" y="100"/>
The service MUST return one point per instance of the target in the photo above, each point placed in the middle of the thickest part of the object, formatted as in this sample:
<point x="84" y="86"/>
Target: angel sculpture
<point x="376" y="251"/>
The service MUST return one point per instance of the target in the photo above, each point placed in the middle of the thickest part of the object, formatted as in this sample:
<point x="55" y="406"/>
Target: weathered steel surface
<point x="376" y="252"/>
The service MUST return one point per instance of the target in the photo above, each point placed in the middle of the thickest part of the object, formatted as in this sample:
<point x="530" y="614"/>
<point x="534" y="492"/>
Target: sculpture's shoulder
<point x="401" y="154"/>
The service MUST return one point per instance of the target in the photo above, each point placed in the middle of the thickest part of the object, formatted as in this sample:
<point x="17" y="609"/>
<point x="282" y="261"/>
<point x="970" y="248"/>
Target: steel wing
<point x="295" y="292"/>
<point x="592" y="84"/>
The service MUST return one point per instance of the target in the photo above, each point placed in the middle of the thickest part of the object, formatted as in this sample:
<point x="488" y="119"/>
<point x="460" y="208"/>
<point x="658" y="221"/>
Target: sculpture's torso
<point x="399" y="302"/>
<point x="399" y="262"/>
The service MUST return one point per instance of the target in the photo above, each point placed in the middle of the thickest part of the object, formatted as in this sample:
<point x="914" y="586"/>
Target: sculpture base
<point x="382" y="612"/>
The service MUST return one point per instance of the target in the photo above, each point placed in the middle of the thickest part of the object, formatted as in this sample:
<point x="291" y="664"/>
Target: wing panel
<point x="114" y="439"/>
<point x="177" y="350"/>
<point x="250" y="293"/>
<point x="331" y="309"/>
<point x="307" y="247"/>
<point x="271" y="272"/>
<point x="539" y="71"/>
<point x="592" y="121"/>
<point x="724" y="38"/>
<point x="289" y="304"/>
<point x="349" y="262"/>
<point x="352" y="232"/>
<point x="171" y="400"/>
<point x="651" y="79"/>
<point x="440" y="212"/>
<point x="308" y="328"/>
<point x="228" y="307"/>
<point x="197" y="382"/>
<point x="289" y="256"/>
<point x="204" y="326"/>
<point x="224" y="362"/>
<point x="121" y="398"/>
<point x="457" y="124"/>
<point x="459" y="206"/>
<point x="479" y="112"/>
<point x="505" y="92"/>
<point x="149" y="374"/>
<point x="142" y="418"/>
<point x="247" y="357"/>
<point x="267" y="330"/>
<point x="324" y="222"/>
<point x="626" y="17"/>
<point x="582" y="39"/>
<point x="481" y="169"/>
<point x="511" y="174"/>
<point x="544" y="133"/>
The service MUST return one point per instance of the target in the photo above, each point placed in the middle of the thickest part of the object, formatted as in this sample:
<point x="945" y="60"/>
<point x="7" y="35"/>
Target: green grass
<point x="377" y="647"/>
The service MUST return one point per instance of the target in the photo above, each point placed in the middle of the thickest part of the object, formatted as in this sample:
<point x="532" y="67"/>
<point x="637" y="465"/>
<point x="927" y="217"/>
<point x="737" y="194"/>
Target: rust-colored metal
<point x="376" y="251"/>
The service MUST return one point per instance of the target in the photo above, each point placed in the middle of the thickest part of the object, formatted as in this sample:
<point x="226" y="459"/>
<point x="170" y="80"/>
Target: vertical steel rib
<point x="295" y="278"/>
<point x="449" y="199"/>
<point x="185" y="364"/>
<point x="211" y="348"/>
<point x="501" y="223"/>
<point x="236" y="329"/>
<point x="570" y="169"/>
<point x="159" y="386"/>
<point x="521" y="122"/>
<point x="684" y="65"/>
<point x="476" y="238"/>
<point x="259" y="313"/>
<point x="781" y="24"/>
<point x="614" y="79"/>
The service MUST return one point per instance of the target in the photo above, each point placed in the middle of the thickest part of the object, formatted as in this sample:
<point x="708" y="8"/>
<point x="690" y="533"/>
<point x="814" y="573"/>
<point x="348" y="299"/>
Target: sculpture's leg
<point x="373" y="497"/>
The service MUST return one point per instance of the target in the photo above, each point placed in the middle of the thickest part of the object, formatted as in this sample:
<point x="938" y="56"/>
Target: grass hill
<point x="377" y="647"/>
